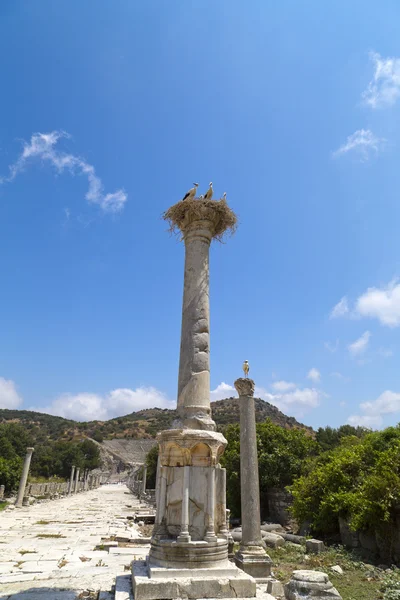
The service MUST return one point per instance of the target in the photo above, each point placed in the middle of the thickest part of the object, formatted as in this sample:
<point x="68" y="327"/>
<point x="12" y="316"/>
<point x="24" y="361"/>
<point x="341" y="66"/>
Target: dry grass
<point x="186" y="211"/>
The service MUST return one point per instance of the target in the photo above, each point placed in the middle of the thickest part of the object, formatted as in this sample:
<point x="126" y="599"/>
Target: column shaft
<point x="184" y="534"/>
<point x="76" y="489"/>
<point x="24" y="477"/>
<point x="210" y="533"/>
<point x="194" y="363"/>
<point x="144" y="479"/>
<point x="71" y="480"/>
<point x="249" y="482"/>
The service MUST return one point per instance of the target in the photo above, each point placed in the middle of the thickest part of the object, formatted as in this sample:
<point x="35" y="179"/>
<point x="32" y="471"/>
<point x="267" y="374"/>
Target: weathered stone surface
<point x="24" y="477"/>
<point x="29" y="565"/>
<point x="272" y="527"/>
<point x="205" y="585"/>
<point x="315" y="546"/>
<point x="272" y="539"/>
<point x="245" y="386"/>
<point x="310" y="576"/>
<point x="295" y="539"/>
<point x="337" y="569"/>
<point x="307" y="585"/>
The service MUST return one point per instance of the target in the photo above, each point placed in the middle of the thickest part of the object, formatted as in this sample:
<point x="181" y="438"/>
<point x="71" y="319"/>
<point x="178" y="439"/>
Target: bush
<point x="359" y="480"/>
<point x="10" y="473"/>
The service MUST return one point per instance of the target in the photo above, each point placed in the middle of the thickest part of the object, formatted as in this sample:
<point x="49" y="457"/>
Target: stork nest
<point x="184" y="212"/>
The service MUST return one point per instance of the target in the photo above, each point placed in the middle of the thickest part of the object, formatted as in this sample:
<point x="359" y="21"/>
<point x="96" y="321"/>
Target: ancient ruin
<point x="189" y="546"/>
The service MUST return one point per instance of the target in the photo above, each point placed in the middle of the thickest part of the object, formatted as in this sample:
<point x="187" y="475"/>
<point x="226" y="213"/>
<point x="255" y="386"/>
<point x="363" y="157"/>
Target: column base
<point x="257" y="565"/>
<point x="223" y="582"/>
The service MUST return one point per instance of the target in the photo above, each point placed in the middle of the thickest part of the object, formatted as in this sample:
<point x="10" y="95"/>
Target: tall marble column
<point x="71" y="480"/>
<point x="24" y="477"/>
<point x="190" y="531"/>
<point x="251" y="556"/>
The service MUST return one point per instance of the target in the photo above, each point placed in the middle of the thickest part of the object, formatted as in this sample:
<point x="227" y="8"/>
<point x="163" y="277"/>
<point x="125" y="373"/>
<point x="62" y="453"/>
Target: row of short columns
<point x="88" y="480"/>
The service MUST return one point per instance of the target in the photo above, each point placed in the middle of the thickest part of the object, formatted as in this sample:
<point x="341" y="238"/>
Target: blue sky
<point x="110" y="111"/>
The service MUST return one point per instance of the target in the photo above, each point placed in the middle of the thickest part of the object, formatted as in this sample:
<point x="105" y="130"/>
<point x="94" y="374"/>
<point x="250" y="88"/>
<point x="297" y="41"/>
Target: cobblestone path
<point x="48" y="551"/>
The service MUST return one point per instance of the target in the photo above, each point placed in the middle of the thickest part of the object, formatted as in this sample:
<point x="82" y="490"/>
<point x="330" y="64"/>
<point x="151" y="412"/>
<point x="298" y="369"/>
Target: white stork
<point x="191" y="193"/>
<point x="246" y="368"/>
<point x="223" y="196"/>
<point x="209" y="192"/>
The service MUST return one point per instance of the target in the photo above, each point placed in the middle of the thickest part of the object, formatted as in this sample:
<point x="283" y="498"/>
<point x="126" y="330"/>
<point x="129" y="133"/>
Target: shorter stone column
<point x="251" y="556"/>
<point x="24" y="477"/>
<point x="144" y="479"/>
<point x="76" y="489"/>
<point x="2" y="489"/>
<point x="71" y="480"/>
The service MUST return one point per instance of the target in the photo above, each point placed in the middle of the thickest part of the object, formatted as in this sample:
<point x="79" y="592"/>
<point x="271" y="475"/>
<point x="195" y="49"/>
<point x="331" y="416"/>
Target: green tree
<point x="151" y="462"/>
<point x="10" y="473"/>
<point x="359" y="480"/>
<point x="281" y="456"/>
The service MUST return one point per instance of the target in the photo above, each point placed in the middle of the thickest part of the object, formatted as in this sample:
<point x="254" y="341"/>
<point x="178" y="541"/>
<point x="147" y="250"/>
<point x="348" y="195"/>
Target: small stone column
<point x="76" y="489"/>
<point x="24" y="477"/>
<point x="2" y="488"/>
<point x="184" y="535"/>
<point x="251" y="556"/>
<point x="71" y="480"/>
<point x="144" y="479"/>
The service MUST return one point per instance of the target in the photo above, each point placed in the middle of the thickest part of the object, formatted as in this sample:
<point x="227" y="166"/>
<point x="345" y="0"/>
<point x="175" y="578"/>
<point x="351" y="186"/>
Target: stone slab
<point x="239" y="586"/>
<point x="221" y="572"/>
<point x="123" y="588"/>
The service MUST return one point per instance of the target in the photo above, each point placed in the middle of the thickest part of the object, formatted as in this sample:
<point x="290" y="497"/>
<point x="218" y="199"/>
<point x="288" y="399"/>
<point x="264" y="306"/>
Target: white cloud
<point x="314" y="375"/>
<point x="362" y="142"/>
<point x="381" y="303"/>
<point x="43" y="147"/>
<point x="118" y="402"/>
<point x="294" y="401"/>
<point x="283" y="386"/>
<point x="359" y="346"/>
<point x="340" y="309"/>
<point x="387" y="403"/>
<point x="222" y="391"/>
<point x="365" y="421"/>
<point x="9" y="397"/>
<point x="332" y="347"/>
<point x="384" y="88"/>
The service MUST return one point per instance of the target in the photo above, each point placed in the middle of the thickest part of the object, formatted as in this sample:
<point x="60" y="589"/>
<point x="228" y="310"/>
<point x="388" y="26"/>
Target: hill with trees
<point x="143" y="424"/>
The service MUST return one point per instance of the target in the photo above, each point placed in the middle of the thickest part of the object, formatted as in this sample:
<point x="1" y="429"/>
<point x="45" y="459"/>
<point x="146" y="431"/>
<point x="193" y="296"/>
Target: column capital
<point x="244" y="386"/>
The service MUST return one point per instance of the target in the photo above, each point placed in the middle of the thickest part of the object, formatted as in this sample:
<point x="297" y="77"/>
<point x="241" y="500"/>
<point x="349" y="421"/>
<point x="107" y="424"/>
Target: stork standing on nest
<point x="246" y="368"/>
<point x="209" y="193"/>
<point x="191" y="193"/>
<point x="223" y="196"/>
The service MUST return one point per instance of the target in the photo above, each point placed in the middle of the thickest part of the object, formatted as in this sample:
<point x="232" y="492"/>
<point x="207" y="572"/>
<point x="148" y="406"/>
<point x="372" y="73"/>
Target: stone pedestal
<point x="189" y="548"/>
<point x="24" y="477"/>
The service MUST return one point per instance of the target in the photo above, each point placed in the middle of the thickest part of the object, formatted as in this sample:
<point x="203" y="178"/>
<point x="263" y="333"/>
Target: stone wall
<point x="279" y="501"/>
<point x="381" y="545"/>
<point x="47" y="489"/>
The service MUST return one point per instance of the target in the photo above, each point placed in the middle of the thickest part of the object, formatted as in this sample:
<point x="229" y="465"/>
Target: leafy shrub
<point x="358" y="480"/>
<point x="10" y="473"/>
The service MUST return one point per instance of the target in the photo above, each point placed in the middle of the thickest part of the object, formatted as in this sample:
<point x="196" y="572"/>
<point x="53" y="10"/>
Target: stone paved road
<point x="47" y="551"/>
